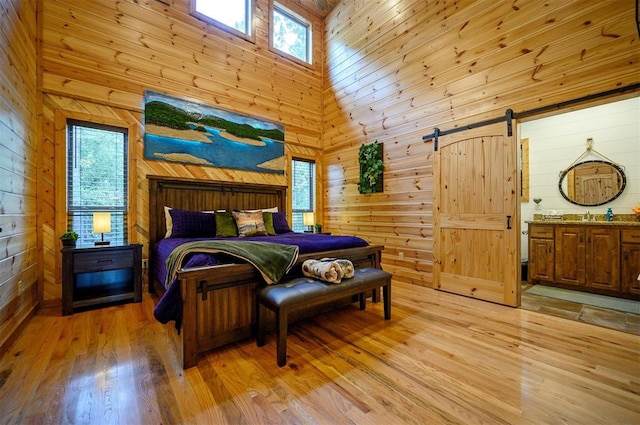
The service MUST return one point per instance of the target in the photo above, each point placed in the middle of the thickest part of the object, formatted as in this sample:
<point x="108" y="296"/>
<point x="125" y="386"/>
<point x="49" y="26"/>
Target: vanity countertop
<point x="596" y="220"/>
<point x="587" y="223"/>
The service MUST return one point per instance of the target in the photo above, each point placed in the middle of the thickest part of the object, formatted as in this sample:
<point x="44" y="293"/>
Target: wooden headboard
<point x="206" y="195"/>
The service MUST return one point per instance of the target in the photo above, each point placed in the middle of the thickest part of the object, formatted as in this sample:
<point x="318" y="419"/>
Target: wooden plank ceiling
<point x="318" y="7"/>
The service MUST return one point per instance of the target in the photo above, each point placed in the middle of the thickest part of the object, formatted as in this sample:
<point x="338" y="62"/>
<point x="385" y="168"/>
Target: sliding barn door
<point x="476" y="215"/>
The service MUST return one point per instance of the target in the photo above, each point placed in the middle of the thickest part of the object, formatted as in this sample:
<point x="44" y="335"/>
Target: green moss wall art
<point x="371" y="168"/>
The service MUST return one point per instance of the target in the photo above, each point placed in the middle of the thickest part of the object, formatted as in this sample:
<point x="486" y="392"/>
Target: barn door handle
<point x="508" y="222"/>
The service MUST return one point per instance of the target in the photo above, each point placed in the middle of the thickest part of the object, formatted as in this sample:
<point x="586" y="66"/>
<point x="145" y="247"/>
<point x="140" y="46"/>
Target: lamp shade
<point x="101" y="222"/>
<point x="308" y="218"/>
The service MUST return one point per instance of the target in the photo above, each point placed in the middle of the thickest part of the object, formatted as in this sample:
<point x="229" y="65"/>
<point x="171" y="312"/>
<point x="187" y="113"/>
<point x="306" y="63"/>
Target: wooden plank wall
<point x="395" y="70"/>
<point x="389" y="71"/>
<point x="99" y="56"/>
<point x="18" y="237"/>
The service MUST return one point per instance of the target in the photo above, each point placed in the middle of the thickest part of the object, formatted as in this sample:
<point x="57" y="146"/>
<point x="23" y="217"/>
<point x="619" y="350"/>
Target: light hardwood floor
<point x="441" y="359"/>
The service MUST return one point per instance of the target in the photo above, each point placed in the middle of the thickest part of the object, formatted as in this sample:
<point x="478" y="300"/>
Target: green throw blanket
<point x="272" y="260"/>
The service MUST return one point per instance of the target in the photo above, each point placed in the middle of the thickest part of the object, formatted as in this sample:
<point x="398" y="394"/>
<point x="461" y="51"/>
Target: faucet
<point x="588" y="216"/>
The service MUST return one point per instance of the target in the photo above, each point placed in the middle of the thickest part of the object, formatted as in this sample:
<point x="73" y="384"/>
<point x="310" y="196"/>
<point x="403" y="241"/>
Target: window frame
<point x="293" y="15"/>
<point x="60" y="170"/>
<point x="210" y="20"/>
<point x="313" y="190"/>
<point x="87" y="211"/>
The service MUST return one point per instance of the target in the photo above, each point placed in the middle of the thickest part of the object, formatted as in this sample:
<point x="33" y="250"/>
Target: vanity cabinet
<point x="603" y="252"/>
<point x="541" y="253"/>
<point x="630" y="271"/>
<point x="591" y="257"/>
<point x="570" y="255"/>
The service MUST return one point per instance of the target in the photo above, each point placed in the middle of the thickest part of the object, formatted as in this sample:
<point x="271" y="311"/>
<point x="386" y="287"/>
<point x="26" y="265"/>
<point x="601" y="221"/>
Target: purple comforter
<point x="170" y="305"/>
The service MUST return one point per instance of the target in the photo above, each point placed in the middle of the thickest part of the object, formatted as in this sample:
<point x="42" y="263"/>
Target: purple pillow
<point x="280" y="224"/>
<point x="188" y="224"/>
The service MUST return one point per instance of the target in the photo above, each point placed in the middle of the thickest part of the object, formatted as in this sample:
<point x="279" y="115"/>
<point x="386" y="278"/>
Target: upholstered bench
<point x="304" y="292"/>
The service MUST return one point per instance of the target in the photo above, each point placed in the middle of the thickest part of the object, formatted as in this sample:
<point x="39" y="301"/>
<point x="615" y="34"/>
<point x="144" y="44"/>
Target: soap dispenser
<point x="609" y="214"/>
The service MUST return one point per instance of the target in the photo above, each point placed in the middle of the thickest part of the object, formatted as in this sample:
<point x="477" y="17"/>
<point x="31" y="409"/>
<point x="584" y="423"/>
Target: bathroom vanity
<point x="591" y="256"/>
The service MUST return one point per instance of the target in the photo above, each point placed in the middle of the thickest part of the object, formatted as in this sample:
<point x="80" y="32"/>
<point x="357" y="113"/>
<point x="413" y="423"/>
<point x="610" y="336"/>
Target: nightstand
<point x="100" y="275"/>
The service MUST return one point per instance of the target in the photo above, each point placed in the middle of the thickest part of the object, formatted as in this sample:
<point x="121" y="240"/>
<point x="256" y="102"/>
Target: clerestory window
<point x="291" y="34"/>
<point x="235" y="16"/>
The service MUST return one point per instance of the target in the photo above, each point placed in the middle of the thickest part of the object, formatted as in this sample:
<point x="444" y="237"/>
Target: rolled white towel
<point x="346" y="266"/>
<point x="329" y="271"/>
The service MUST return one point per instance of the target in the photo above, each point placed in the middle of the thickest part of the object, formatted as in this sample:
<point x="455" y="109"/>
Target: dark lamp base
<point x="102" y="243"/>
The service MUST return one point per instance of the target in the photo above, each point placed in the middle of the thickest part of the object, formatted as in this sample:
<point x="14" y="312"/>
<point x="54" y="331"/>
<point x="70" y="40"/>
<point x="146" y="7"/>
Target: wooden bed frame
<point x="219" y="305"/>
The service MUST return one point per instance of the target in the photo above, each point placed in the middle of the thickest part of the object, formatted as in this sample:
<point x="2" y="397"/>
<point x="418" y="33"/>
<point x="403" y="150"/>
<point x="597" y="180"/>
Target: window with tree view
<point x="303" y="182"/>
<point x="291" y="34"/>
<point x="97" y="179"/>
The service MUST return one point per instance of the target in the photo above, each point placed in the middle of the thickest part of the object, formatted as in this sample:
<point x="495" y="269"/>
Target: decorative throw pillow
<point x="271" y="210"/>
<point x="187" y="224"/>
<point x="168" y="222"/>
<point x="225" y="225"/>
<point x="267" y="217"/>
<point x="280" y="224"/>
<point x="250" y="223"/>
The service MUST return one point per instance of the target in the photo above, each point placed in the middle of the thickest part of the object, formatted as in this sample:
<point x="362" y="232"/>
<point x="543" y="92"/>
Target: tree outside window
<point x="291" y="34"/>
<point x="97" y="179"/>
<point x="303" y="183"/>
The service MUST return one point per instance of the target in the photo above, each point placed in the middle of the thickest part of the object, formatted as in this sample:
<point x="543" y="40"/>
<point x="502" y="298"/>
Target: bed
<point x="218" y="304"/>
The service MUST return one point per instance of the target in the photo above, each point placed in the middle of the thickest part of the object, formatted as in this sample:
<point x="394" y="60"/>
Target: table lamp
<point x="308" y="219"/>
<point x="102" y="225"/>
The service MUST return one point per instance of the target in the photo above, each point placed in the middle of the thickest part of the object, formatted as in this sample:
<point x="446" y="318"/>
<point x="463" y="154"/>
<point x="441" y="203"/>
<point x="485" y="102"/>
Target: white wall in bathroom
<point x="555" y="142"/>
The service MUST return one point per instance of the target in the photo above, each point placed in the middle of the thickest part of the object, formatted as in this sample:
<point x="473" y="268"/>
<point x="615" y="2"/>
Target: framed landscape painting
<point x="188" y="132"/>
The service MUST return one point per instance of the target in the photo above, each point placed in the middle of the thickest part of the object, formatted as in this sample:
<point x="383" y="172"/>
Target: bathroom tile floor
<point x="620" y="320"/>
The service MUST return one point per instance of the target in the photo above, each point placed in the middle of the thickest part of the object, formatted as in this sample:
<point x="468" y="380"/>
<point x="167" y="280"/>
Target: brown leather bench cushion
<point x="303" y="289"/>
<point x="299" y="293"/>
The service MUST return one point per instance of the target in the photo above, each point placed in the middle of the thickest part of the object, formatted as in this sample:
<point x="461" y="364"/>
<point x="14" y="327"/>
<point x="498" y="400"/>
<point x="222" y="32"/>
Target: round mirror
<point x="592" y="183"/>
